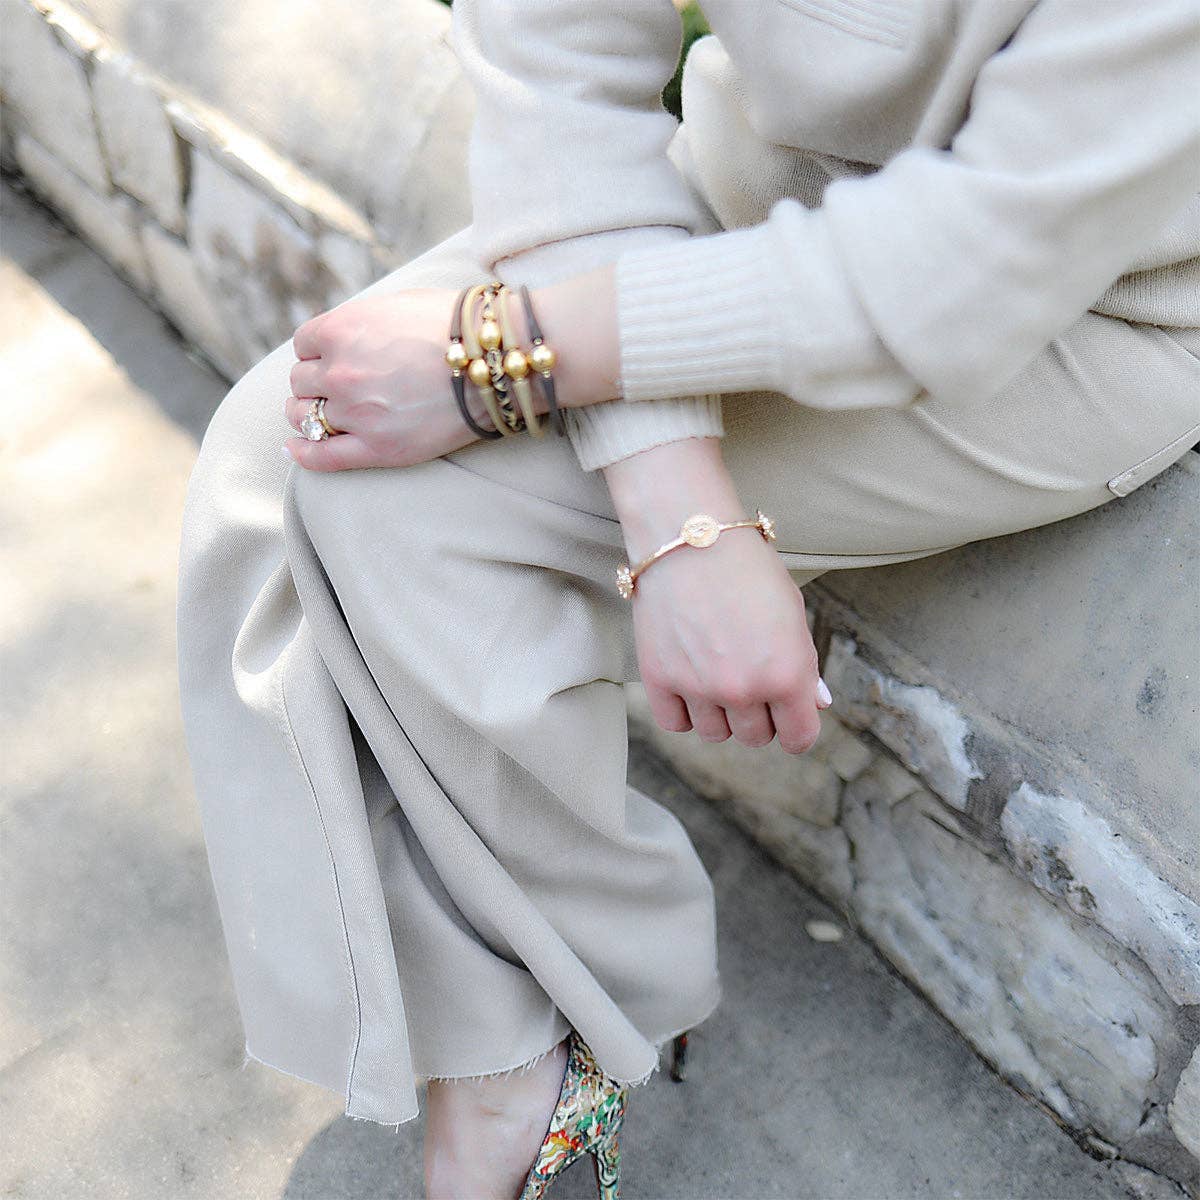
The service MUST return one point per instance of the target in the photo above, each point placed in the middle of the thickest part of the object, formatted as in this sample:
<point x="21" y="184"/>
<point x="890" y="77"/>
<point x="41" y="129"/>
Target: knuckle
<point x="781" y="679"/>
<point x="733" y="694"/>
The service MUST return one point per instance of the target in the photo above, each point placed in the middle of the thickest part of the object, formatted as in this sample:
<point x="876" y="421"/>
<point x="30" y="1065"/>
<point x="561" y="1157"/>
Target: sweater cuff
<point x="601" y="434"/>
<point x="767" y="307"/>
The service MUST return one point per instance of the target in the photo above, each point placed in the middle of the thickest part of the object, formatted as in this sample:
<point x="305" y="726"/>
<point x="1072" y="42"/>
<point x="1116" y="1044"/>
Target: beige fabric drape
<point x="402" y="692"/>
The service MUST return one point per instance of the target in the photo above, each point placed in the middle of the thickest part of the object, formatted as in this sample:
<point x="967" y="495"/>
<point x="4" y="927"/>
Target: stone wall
<point x="234" y="242"/>
<point x="1003" y="797"/>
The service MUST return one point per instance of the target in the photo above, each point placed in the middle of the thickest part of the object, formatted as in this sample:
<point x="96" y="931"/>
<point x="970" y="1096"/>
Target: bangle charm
<point x="698" y="530"/>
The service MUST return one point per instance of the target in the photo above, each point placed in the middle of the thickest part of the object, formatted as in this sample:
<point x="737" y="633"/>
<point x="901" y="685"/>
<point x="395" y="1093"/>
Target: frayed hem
<point x="249" y="1056"/>
<point x="503" y="1073"/>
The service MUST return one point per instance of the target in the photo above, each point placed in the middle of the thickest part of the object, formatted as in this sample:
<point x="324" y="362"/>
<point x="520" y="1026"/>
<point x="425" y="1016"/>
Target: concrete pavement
<point x="822" y="1075"/>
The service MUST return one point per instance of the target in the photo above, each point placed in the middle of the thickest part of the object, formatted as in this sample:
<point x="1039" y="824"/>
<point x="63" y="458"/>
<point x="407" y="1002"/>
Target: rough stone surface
<point x="44" y="76"/>
<point x="143" y="152"/>
<point x="260" y="266"/>
<point x="1184" y="1109"/>
<point x="348" y="260"/>
<point x="1082" y="634"/>
<point x="1043" y="995"/>
<point x="925" y="729"/>
<point x="110" y="223"/>
<point x="182" y="294"/>
<point x="367" y="98"/>
<point x="1059" y="1000"/>
<point x="281" y="182"/>
<point x="1071" y="853"/>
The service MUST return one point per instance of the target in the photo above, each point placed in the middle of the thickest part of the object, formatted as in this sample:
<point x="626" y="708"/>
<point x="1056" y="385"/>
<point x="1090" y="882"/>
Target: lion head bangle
<point x="697" y="530"/>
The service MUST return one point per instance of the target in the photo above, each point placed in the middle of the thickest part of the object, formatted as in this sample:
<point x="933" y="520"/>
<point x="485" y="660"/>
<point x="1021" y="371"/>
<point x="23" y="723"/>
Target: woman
<point x="907" y="275"/>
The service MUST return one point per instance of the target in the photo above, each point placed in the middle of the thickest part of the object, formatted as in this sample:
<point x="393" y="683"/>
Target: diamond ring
<point x="314" y="426"/>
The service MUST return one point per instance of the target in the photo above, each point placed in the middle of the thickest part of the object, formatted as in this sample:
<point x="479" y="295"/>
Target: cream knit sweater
<point x="867" y="200"/>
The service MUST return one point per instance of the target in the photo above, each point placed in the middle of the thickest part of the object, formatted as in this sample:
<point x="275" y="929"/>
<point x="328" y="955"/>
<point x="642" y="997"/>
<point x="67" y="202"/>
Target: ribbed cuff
<point x="602" y="434"/>
<point x="697" y="316"/>
<point x="765" y="308"/>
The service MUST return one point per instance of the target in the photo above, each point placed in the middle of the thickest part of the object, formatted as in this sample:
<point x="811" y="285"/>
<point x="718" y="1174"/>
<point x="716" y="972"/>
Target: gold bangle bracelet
<point x="697" y="530"/>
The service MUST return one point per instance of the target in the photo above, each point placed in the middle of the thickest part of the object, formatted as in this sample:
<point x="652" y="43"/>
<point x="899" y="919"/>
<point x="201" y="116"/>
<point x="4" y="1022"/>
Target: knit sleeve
<point x="948" y="270"/>
<point x="568" y="168"/>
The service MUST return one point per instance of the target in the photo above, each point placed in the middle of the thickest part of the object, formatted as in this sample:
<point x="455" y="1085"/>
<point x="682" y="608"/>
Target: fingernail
<point x="286" y="452"/>
<point x="824" y="695"/>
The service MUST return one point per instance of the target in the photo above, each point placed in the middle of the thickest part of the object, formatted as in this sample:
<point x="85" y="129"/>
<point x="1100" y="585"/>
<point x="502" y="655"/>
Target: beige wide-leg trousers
<point x="403" y="694"/>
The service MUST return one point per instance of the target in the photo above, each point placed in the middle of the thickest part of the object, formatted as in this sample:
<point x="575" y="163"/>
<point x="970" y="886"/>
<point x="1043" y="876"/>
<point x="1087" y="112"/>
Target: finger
<point x="306" y="339"/>
<point x="751" y="724"/>
<point x="295" y="409"/>
<point x="344" y="452"/>
<point x="668" y="709"/>
<point x="308" y="378"/>
<point x="796" y="721"/>
<point x="708" y="720"/>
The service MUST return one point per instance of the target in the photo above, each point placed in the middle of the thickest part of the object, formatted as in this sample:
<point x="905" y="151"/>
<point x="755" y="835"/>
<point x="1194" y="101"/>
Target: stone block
<point x="109" y="223"/>
<point x="348" y="260"/>
<point x="261" y="268"/>
<point x="44" y="76"/>
<point x="311" y="204"/>
<point x="144" y="154"/>
<point x="1082" y="634"/>
<point x="182" y="294"/>
<point x="1184" y="1110"/>
<point x="846" y="753"/>
<point x="1069" y="852"/>
<point x="924" y="728"/>
<point x="1044" y="996"/>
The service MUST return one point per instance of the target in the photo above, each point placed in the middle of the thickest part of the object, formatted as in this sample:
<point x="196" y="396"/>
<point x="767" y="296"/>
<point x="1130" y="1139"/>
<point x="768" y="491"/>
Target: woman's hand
<point x="378" y="361"/>
<point x="722" y="641"/>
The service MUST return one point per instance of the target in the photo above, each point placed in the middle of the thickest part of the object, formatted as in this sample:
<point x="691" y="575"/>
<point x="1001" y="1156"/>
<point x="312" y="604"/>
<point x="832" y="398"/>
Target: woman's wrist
<point x="578" y="318"/>
<point x="654" y="490"/>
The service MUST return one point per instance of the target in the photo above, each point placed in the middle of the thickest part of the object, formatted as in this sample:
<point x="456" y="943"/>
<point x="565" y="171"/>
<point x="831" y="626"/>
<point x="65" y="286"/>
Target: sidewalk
<point x="821" y="1076"/>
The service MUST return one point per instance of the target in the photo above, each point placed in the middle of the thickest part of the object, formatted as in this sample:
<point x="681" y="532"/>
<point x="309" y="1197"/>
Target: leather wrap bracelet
<point x="497" y="366"/>
<point x="458" y="356"/>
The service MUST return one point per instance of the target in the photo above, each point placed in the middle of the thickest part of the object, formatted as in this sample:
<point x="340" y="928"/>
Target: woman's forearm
<point x="578" y="318"/>
<point x="656" y="488"/>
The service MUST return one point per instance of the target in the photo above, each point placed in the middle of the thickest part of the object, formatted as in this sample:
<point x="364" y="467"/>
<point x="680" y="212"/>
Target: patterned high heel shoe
<point x="586" y="1120"/>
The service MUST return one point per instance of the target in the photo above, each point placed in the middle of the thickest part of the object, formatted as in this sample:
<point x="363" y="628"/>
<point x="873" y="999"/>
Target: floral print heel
<point x="586" y="1120"/>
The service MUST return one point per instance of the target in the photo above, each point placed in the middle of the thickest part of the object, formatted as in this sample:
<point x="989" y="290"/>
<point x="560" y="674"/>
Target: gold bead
<point x="457" y="356"/>
<point x="479" y="373"/>
<point x="516" y="365"/>
<point x="489" y="335"/>
<point x="542" y="358"/>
